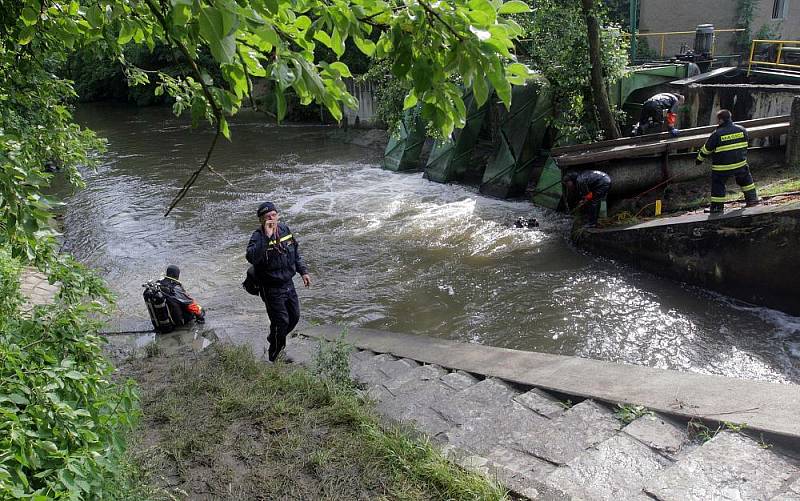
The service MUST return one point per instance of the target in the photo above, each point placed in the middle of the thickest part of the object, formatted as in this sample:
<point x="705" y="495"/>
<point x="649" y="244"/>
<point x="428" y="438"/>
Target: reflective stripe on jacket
<point x="276" y="260"/>
<point x="727" y="146"/>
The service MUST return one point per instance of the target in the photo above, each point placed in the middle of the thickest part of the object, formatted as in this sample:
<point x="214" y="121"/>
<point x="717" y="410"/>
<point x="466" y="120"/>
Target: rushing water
<point x="388" y="251"/>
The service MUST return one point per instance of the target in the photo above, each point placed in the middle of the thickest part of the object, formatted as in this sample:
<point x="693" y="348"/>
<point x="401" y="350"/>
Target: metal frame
<point x="777" y="63"/>
<point x="665" y="34"/>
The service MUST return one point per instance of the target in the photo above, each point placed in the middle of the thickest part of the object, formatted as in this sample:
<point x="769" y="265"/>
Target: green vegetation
<point x="232" y="426"/>
<point x="628" y="413"/>
<point x="62" y="421"/>
<point x="558" y="46"/>
<point x="702" y="433"/>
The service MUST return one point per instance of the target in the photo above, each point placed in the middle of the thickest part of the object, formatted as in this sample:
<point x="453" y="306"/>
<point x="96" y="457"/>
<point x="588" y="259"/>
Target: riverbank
<point x="224" y="425"/>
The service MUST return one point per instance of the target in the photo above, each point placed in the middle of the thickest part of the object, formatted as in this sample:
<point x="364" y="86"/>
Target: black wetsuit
<point x="180" y="303"/>
<point x="598" y="184"/>
<point x="276" y="260"/>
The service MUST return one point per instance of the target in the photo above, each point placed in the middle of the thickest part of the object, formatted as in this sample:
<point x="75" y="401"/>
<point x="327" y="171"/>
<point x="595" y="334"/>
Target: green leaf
<point x="95" y="16"/>
<point x="514" y="7"/>
<point x="223" y="127"/>
<point x="126" y="32"/>
<point x="280" y="101"/>
<point x="181" y="12"/>
<point x="29" y="16"/>
<point x="410" y="101"/>
<point x="338" y="43"/>
<point x="497" y="76"/>
<point x="217" y="26"/>
<point x="481" y="90"/>
<point x="366" y="46"/>
<point x="323" y="37"/>
<point x="342" y="69"/>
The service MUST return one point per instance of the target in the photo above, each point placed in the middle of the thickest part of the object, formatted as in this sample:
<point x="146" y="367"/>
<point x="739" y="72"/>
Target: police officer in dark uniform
<point x="727" y="147"/>
<point x="656" y="109"/>
<point x="592" y="186"/>
<point x="275" y="255"/>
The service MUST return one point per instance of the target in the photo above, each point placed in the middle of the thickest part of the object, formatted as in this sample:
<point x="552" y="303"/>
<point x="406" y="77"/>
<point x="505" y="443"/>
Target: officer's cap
<point x="266" y="207"/>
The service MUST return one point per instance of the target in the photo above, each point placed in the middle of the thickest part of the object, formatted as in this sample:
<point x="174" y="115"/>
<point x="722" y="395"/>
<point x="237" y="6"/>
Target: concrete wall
<point x="365" y="114"/>
<point x="749" y="254"/>
<point x="685" y="15"/>
<point x="745" y="101"/>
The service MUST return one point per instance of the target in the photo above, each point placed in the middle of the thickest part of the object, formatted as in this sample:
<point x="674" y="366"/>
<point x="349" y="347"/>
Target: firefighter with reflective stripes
<point x="727" y="147"/>
<point x="275" y="255"/>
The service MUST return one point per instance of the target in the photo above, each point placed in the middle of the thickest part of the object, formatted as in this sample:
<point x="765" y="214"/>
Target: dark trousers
<point x="651" y="111"/>
<point x="743" y="178"/>
<point x="283" y="309"/>
<point x="592" y="210"/>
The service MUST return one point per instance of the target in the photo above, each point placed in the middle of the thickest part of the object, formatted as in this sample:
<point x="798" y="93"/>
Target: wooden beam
<point x="660" y="146"/>
<point x="708" y="129"/>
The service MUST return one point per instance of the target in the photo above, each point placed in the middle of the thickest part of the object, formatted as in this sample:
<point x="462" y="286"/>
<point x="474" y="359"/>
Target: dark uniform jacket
<point x="727" y="146"/>
<point x="593" y="181"/>
<point x="178" y="300"/>
<point x="665" y="101"/>
<point x="276" y="259"/>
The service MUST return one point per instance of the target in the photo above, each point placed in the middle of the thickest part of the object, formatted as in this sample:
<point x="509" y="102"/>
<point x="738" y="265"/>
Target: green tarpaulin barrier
<point x="451" y="159"/>
<point x="521" y="131"/>
<point x="405" y="147"/>
<point x="548" y="190"/>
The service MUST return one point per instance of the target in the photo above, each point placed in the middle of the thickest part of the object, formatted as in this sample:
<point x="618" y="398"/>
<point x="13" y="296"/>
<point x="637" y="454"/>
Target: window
<point x="779" y="9"/>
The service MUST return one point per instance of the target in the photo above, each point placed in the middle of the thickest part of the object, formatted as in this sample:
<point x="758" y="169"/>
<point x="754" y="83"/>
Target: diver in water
<point x="523" y="222"/>
<point x="168" y="303"/>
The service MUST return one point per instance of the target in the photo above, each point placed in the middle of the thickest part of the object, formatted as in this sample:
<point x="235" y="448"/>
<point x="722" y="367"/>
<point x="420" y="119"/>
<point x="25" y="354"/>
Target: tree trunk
<point x="607" y="122"/>
<point x="793" y="137"/>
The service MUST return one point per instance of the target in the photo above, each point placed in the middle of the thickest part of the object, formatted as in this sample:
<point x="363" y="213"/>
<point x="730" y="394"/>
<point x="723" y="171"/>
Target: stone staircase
<point x="542" y="448"/>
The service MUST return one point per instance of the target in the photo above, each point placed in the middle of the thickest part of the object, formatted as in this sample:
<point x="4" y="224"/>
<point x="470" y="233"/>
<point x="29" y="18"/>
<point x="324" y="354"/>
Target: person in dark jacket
<point x="592" y="186"/>
<point x="727" y="147"/>
<point x="656" y="109"/>
<point x="183" y="308"/>
<point x="275" y="254"/>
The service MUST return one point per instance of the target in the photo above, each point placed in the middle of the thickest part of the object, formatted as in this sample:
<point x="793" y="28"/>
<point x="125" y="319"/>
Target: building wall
<point x="685" y="15"/>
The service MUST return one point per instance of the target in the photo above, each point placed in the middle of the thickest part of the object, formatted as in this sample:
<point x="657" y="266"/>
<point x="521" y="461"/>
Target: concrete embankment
<point x="545" y="425"/>
<point x="750" y="254"/>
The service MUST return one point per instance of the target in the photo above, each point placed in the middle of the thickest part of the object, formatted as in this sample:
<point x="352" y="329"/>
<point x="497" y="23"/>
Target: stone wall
<point x="750" y="254"/>
<point x="746" y="102"/>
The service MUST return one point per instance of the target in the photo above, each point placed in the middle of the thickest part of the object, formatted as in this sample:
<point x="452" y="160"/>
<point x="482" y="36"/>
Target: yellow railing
<point x="666" y="34"/>
<point x="794" y="45"/>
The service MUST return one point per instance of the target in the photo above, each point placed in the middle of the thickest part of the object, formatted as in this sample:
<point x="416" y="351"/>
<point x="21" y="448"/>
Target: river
<point x="388" y="251"/>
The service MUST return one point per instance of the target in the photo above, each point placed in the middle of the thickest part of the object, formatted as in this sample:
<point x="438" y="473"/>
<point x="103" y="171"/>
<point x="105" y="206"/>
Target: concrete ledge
<point x="766" y="407"/>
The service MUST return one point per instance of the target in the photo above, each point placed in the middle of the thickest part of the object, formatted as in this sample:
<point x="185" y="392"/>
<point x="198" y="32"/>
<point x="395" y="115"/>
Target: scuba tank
<point x="158" y="307"/>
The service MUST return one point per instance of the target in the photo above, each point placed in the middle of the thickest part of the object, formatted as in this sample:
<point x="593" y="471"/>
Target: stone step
<point x="541" y="403"/>
<point x="380" y="368"/>
<point x="662" y="434"/>
<point x="729" y="466"/>
<point x="408" y="398"/>
<point x="486" y="418"/>
<point x="617" y="468"/>
<point x="568" y="436"/>
<point x="301" y="350"/>
<point x="459" y="380"/>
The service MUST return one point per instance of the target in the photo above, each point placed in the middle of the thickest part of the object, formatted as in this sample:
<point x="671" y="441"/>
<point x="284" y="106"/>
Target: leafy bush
<point x="332" y="362"/>
<point x="62" y="420"/>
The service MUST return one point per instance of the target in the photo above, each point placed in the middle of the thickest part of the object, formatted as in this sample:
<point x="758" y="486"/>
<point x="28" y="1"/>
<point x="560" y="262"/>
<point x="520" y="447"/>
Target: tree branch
<point x="439" y="18"/>
<point x="206" y="92"/>
<point x="189" y="182"/>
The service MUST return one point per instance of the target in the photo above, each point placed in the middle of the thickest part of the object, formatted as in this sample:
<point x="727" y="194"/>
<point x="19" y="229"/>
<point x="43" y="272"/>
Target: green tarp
<point x="405" y="146"/>
<point x="451" y="159"/>
<point x="548" y="190"/>
<point x="521" y="132"/>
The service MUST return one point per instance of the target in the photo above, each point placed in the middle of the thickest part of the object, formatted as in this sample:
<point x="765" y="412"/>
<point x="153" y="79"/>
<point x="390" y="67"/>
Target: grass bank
<point x="229" y="426"/>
